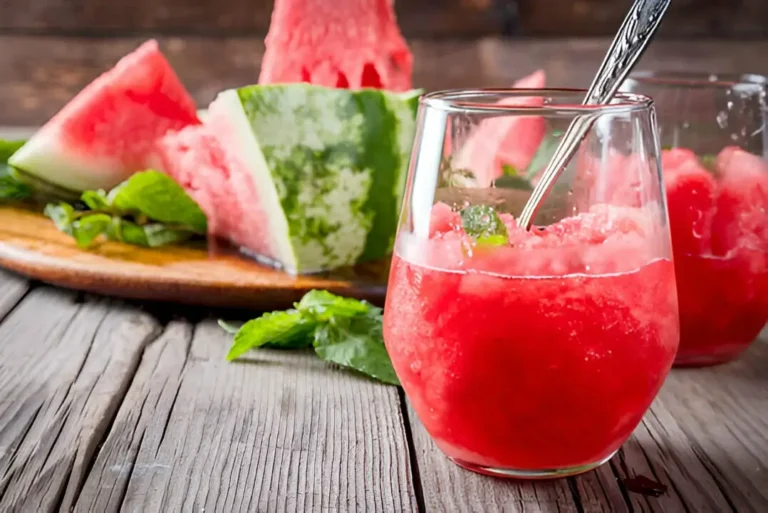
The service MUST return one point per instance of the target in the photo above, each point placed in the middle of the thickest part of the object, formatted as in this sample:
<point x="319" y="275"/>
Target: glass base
<point x="511" y="473"/>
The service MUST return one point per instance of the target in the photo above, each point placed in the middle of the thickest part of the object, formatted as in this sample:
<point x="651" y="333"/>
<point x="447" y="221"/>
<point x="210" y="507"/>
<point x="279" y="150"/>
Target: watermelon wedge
<point x="505" y="143"/>
<point x="109" y="130"/>
<point x="342" y="43"/>
<point x="302" y="177"/>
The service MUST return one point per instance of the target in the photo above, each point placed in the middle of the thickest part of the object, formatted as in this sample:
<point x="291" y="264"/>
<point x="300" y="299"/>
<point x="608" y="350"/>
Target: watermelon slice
<point x="302" y="177"/>
<point x="109" y="130"/>
<point x="691" y="193"/>
<point x="342" y="43"/>
<point x="741" y="217"/>
<point x="194" y="158"/>
<point x="505" y="143"/>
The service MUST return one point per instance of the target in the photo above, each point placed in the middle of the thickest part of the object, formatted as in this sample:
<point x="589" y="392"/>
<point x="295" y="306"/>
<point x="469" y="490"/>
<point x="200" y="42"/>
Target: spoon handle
<point x="628" y="46"/>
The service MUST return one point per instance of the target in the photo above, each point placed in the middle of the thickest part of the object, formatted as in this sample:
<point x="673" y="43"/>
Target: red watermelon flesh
<point x="109" y="130"/>
<point x="741" y="218"/>
<point x="205" y="161"/>
<point x="507" y="140"/>
<point x="691" y="191"/>
<point x="341" y="43"/>
<point x="193" y="157"/>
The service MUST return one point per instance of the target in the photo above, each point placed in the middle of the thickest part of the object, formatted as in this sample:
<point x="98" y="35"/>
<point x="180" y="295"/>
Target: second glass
<point x="715" y="146"/>
<point x="531" y="353"/>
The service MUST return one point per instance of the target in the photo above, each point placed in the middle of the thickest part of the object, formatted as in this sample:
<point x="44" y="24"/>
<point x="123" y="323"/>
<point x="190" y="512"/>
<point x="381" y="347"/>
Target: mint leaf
<point x="482" y="223"/>
<point x="344" y="331"/>
<point x="512" y="179"/>
<point x="157" y="235"/>
<point x="8" y="148"/>
<point x="356" y="343"/>
<point x="286" y="330"/>
<point x="62" y="215"/>
<point x="10" y="187"/>
<point x="156" y="196"/>
<point x="126" y="231"/>
<point x="149" y="209"/>
<point x="87" y="229"/>
<point x="509" y="170"/>
<point x="322" y="305"/>
<point x="95" y="200"/>
<point x="708" y="161"/>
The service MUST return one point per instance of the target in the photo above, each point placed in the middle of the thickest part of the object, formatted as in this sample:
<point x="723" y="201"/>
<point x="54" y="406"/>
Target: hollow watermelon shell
<point x="109" y="130"/>
<point x="507" y="140"/>
<point x="348" y="44"/>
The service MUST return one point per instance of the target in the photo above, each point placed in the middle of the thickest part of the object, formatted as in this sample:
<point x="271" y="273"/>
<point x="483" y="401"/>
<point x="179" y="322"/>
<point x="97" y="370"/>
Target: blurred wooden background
<point x="418" y="18"/>
<point x="49" y="49"/>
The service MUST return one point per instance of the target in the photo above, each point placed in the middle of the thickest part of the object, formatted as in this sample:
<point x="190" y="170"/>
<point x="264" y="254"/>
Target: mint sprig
<point x="344" y="331"/>
<point x="483" y="224"/>
<point x="149" y="209"/>
<point x="10" y="187"/>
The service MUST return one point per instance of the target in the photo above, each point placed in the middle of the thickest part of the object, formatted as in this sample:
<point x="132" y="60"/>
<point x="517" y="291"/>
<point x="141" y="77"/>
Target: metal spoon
<point x="631" y="41"/>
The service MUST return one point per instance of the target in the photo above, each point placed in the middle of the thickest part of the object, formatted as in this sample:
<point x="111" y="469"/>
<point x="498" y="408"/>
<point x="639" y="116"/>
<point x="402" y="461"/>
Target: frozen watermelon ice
<point x="691" y="193"/>
<point x="109" y="130"/>
<point x="340" y="43"/>
<point x="506" y="142"/>
<point x="741" y="206"/>
<point x="303" y="177"/>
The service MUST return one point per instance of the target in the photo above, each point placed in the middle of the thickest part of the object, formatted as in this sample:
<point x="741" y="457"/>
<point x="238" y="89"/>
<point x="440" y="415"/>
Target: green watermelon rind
<point x="337" y="163"/>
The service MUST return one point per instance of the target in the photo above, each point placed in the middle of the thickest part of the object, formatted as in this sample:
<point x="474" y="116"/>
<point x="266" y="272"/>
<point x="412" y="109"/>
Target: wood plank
<point x="704" y="438"/>
<point x="12" y="289"/>
<point x="64" y="367"/>
<point x="446" y="487"/>
<point x="42" y="73"/>
<point x="417" y="18"/>
<point x="279" y="432"/>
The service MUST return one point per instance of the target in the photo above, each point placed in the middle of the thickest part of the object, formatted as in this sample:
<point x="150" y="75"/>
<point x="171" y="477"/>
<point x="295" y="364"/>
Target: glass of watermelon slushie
<point x="531" y="354"/>
<point x="715" y="164"/>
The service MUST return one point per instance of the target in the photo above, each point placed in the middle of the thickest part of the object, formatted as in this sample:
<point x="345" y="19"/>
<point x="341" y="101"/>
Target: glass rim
<point x="459" y="100"/>
<point x="694" y="79"/>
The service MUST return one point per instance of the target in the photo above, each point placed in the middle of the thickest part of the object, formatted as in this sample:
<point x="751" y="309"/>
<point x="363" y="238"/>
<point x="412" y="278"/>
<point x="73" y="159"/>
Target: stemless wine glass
<point x="531" y="353"/>
<point x="713" y="131"/>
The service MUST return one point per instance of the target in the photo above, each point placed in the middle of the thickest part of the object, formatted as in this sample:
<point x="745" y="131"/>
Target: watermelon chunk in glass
<point x="342" y="43"/>
<point x="741" y="218"/>
<point x="507" y="140"/>
<point x="691" y="193"/>
<point x="109" y="130"/>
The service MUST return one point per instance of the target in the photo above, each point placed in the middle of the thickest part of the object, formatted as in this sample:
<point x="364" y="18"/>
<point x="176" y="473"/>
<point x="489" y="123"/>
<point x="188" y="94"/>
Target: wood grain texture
<point x="64" y="367"/>
<point x="40" y="74"/>
<point x="704" y="438"/>
<point x="30" y="244"/>
<point x="12" y="289"/>
<point x="417" y="18"/>
<point x="279" y="432"/>
<point x="446" y="487"/>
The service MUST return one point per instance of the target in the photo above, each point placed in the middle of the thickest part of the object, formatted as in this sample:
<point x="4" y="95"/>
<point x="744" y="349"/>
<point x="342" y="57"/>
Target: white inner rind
<point x="43" y="157"/>
<point x="249" y="152"/>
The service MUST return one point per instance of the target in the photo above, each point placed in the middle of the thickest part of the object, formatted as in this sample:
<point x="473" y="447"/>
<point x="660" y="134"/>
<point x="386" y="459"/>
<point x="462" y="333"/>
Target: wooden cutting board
<point x="219" y="277"/>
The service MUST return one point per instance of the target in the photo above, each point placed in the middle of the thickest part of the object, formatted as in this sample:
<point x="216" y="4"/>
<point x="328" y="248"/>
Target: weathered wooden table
<point x="112" y="406"/>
